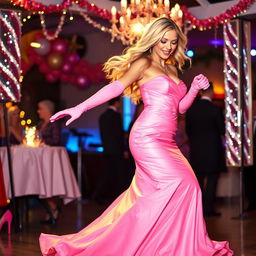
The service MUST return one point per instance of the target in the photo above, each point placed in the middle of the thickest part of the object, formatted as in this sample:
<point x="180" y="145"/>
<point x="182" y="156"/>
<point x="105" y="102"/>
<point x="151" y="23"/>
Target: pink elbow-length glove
<point x="108" y="92"/>
<point x="199" y="82"/>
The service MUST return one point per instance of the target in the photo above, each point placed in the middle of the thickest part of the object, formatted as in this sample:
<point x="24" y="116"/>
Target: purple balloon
<point x="67" y="67"/>
<point x="82" y="82"/>
<point x="44" y="48"/>
<point x="73" y="58"/>
<point x="60" y="46"/>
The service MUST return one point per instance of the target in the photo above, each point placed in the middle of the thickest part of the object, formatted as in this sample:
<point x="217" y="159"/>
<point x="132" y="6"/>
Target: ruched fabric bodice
<point x="161" y="97"/>
<point x="160" y="214"/>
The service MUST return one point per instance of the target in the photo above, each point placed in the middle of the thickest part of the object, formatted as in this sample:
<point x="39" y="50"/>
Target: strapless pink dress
<point x="161" y="212"/>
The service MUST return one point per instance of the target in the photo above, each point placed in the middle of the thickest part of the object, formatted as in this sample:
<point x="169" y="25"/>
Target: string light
<point x="59" y="27"/>
<point x="94" y="23"/>
<point x="22" y="114"/>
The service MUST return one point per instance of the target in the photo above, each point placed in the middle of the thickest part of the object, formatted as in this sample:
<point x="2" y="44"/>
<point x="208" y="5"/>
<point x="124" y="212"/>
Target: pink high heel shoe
<point x="7" y="217"/>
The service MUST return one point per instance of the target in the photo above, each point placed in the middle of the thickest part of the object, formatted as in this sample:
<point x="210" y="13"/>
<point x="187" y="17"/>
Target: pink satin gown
<point x="161" y="212"/>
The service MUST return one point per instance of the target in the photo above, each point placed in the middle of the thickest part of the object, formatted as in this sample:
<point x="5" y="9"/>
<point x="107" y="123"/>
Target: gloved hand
<point x="105" y="94"/>
<point x="199" y="82"/>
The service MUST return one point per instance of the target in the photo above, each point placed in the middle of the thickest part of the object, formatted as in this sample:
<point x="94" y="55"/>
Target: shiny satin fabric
<point x="161" y="212"/>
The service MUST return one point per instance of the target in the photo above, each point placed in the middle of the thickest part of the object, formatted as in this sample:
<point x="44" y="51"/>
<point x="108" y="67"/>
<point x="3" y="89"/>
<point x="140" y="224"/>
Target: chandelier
<point x="129" y="23"/>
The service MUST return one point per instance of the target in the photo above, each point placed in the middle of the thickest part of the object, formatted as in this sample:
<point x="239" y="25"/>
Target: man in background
<point x="112" y="136"/>
<point x="205" y="129"/>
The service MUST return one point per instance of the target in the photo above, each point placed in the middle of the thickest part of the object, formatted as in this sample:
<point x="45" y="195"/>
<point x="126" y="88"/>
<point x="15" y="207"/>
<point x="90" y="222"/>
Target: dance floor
<point x="74" y="216"/>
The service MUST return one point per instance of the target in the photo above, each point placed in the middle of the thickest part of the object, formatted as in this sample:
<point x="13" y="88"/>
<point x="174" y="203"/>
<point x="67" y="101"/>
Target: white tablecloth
<point x="43" y="171"/>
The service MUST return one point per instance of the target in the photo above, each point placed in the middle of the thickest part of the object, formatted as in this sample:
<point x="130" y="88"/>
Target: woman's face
<point x="167" y="45"/>
<point x="42" y="111"/>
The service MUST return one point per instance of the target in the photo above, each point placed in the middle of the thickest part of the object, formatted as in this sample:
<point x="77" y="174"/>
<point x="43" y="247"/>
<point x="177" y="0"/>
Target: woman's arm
<point x="17" y="132"/>
<point x="199" y="82"/>
<point x="105" y="94"/>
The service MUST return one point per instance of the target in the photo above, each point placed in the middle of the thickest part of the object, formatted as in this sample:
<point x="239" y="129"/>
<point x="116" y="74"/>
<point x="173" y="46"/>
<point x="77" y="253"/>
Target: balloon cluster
<point x="56" y="60"/>
<point x="211" y="22"/>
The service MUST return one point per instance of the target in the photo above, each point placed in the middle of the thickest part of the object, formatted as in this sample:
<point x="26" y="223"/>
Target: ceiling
<point x="188" y="3"/>
<point x="198" y="38"/>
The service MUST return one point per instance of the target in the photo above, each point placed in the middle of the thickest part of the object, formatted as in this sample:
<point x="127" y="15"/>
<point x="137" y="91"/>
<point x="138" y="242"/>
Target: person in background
<point x="205" y="129"/>
<point x="50" y="135"/>
<point x="15" y="127"/>
<point x="49" y="132"/>
<point x="112" y="136"/>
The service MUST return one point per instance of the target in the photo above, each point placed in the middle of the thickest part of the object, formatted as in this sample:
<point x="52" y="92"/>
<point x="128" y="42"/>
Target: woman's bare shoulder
<point x="139" y="66"/>
<point x="141" y="63"/>
<point x="135" y="71"/>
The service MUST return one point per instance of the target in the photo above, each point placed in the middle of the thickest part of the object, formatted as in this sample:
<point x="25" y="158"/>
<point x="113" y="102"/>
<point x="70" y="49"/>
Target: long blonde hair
<point x="116" y="66"/>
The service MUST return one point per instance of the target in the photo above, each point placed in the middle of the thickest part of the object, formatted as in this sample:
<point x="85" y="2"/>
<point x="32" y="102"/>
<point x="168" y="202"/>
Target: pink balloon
<point x="67" y="67"/>
<point x="73" y="58"/>
<point x="51" y="78"/>
<point x="82" y="82"/>
<point x="60" y="46"/>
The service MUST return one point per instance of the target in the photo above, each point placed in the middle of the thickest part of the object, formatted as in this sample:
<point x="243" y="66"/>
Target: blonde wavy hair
<point x="116" y="66"/>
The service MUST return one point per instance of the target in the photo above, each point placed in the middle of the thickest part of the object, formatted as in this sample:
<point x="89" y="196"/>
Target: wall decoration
<point x="238" y="92"/>
<point x="10" y="32"/>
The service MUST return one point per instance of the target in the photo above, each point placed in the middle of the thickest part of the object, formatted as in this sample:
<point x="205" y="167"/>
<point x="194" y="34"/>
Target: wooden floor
<point x="240" y="234"/>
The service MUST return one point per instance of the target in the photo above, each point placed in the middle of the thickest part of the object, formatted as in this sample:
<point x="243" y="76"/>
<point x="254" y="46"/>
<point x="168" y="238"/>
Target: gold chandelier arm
<point x="135" y="16"/>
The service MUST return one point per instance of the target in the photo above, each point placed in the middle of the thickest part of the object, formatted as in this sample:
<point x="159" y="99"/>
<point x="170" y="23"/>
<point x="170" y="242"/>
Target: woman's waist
<point x="158" y="121"/>
<point x="156" y="130"/>
<point x="166" y="108"/>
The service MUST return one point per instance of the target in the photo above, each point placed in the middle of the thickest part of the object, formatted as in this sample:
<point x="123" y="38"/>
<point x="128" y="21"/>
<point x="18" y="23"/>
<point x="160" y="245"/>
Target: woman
<point x="49" y="132"/>
<point x="161" y="212"/>
<point x="14" y="126"/>
<point x="50" y="135"/>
